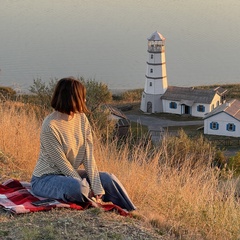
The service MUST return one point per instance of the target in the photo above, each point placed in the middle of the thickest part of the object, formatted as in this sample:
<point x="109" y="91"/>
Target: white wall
<point x="156" y="74"/>
<point x="222" y="119"/>
<point x="154" y="99"/>
<point x="143" y="105"/>
<point x="194" y="107"/>
<point x="167" y="109"/>
<point x="154" y="86"/>
<point x="196" y="113"/>
<point x="178" y="110"/>
<point x="157" y="71"/>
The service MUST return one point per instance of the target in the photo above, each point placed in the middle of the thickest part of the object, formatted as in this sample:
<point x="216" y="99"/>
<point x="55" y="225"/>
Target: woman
<point x="65" y="144"/>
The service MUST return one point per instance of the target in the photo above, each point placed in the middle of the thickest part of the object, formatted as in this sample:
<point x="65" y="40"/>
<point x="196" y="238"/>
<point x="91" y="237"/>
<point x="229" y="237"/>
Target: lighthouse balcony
<point x="155" y="49"/>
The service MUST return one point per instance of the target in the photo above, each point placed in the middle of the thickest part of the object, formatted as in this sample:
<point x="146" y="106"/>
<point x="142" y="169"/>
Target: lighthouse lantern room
<point x="156" y="75"/>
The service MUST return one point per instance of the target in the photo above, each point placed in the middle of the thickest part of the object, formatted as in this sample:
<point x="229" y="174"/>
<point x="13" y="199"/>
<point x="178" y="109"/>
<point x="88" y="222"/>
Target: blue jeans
<point x="71" y="189"/>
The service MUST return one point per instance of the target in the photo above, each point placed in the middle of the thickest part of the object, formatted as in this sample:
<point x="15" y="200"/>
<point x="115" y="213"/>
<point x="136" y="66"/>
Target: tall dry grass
<point x="175" y="188"/>
<point x="173" y="185"/>
<point x="19" y="137"/>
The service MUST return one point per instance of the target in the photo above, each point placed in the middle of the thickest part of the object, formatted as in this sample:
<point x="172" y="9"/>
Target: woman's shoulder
<point x="82" y="119"/>
<point x="49" y="121"/>
<point x="81" y="116"/>
<point x="49" y="117"/>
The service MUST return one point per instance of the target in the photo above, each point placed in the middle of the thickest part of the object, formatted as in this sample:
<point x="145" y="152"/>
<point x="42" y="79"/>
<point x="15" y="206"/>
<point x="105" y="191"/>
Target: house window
<point x="150" y="84"/>
<point x="173" y="105"/>
<point x="151" y="70"/>
<point x="217" y="103"/>
<point x="214" y="125"/>
<point x="231" y="127"/>
<point x="201" y="108"/>
<point x="151" y="56"/>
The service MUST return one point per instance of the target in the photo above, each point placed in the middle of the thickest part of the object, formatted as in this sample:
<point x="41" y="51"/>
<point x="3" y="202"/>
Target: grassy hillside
<point x="177" y="192"/>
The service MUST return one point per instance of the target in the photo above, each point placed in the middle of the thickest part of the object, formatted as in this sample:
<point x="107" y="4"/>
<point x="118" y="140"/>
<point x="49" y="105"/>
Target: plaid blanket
<point x="17" y="197"/>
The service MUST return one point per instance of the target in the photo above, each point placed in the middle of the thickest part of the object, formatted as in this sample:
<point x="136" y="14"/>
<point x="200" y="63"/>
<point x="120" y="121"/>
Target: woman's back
<point x="62" y="135"/>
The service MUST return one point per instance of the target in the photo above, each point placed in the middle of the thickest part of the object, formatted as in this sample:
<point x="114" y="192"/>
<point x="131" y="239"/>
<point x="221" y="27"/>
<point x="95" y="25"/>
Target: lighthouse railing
<point x="154" y="48"/>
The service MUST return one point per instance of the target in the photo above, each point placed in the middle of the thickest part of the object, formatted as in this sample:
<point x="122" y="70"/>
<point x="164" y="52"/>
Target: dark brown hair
<point x="69" y="96"/>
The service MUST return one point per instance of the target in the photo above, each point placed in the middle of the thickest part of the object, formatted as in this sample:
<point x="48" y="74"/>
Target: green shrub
<point x="219" y="159"/>
<point x="182" y="147"/>
<point x="234" y="164"/>
<point x="132" y="95"/>
<point x="97" y="93"/>
<point x="7" y="93"/>
<point x="103" y="127"/>
<point x="43" y="91"/>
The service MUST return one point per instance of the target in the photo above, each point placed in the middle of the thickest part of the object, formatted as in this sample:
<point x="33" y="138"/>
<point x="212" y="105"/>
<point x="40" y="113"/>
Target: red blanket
<point x="17" y="197"/>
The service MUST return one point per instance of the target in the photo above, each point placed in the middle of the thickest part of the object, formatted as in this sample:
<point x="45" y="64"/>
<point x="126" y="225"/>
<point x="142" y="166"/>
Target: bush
<point x="181" y="148"/>
<point x="43" y="91"/>
<point x="132" y="95"/>
<point x="7" y="93"/>
<point x="103" y="127"/>
<point x="234" y="164"/>
<point x="219" y="159"/>
<point x="97" y="93"/>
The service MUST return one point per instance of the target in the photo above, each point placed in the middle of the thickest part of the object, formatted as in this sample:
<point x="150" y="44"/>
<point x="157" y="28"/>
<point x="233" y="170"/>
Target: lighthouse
<point x="156" y="75"/>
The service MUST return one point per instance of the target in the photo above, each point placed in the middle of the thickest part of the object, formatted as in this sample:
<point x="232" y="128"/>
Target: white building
<point x="156" y="75"/>
<point x="192" y="101"/>
<point x="159" y="97"/>
<point x="224" y="120"/>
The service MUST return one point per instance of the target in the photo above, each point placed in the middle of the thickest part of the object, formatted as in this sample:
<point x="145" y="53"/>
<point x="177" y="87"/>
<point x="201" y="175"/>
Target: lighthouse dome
<point x="156" y="36"/>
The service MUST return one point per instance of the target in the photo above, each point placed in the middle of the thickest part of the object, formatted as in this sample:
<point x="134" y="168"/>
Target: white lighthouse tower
<point x="156" y="75"/>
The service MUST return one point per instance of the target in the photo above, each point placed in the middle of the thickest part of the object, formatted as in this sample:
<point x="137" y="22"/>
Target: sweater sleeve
<point x="51" y="143"/>
<point x="90" y="164"/>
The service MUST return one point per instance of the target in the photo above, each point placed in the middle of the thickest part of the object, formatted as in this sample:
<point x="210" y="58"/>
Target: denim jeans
<point x="71" y="189"/>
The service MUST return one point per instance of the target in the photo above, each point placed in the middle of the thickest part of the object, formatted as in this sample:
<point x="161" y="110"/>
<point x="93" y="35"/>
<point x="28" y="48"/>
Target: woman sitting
<point x="65" y="144"/>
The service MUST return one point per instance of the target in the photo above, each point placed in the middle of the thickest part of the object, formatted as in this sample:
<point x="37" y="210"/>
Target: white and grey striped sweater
<point x="65" y="144"/>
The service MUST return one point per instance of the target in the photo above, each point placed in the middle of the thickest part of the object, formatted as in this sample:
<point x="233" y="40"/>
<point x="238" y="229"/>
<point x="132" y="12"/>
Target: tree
<point x="43" y="91"/>
<point x="97" y="93"/>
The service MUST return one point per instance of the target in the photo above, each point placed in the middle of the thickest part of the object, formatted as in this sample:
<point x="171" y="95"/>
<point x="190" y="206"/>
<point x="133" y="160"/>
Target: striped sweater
<point x="65" y="144"/>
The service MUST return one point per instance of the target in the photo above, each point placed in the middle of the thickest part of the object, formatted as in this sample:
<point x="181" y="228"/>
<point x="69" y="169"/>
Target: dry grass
<point x="181" y="196"/>
<point x="173" y="185"/>
<point x="19" y="137"/>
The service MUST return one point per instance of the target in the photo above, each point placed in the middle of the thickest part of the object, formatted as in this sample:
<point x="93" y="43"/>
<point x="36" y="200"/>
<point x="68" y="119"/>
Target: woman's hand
<point x="98" y="196"/>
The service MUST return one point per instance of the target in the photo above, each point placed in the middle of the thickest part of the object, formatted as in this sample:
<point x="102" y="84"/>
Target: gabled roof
<point x="220" y="90"/>
<point x="231" y="108"/>
<point x="116" y="112"/>
<point x="189" y="94"/>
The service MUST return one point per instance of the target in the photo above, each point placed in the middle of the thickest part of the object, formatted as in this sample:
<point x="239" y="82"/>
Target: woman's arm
<point x="90" y="164"/>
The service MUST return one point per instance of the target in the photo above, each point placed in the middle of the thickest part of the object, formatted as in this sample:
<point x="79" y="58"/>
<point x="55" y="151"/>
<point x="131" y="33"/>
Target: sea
<point x="107" y="41"/>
